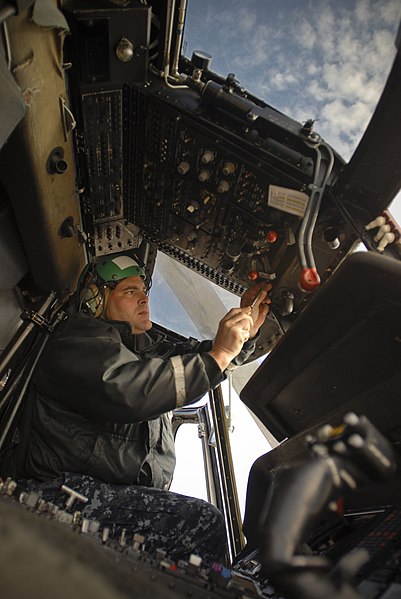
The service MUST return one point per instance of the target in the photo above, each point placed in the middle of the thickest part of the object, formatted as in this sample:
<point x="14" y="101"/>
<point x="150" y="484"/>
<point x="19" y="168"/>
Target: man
<point x="104" y="390"/>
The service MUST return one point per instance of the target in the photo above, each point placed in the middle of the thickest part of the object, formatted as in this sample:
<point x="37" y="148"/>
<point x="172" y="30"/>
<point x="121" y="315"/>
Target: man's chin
<point x="146" y="326"/>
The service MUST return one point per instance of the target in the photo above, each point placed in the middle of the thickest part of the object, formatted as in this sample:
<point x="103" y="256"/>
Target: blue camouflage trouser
<point x="179" y="524"/>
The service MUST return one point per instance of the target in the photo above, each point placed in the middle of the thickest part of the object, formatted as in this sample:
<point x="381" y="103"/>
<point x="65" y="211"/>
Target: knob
<point x="183" y="168"/>
<point x="203" y="176"/>
<point x="271" y="236"/>
<point x="309" y="279"/>
<point x="223" y="186"/>
<point x="124" y="50"/>
<point x="228" y="168"/>
<point x="253" y="275"/>
<point x="201" y="60"/>
<point x="207" y="157"/>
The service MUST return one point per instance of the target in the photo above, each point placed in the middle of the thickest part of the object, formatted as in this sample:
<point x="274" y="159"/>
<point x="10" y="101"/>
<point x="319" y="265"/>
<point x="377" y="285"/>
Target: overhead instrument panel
<point x="202" y="191"/>
<point x="218" y="180"/>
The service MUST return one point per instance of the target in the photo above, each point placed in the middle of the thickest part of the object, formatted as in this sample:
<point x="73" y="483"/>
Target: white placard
<point x="287" y="200"/>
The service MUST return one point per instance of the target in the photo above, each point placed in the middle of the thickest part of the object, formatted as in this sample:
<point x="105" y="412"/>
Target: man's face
<point x="128" y="301"/>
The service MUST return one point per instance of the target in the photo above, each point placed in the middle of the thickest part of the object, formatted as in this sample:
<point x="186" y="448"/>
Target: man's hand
<point x="234" y="330"/>
<point x="261" y="307"/>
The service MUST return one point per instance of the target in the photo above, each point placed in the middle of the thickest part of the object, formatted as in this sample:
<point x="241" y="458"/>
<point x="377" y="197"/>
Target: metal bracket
<point x="42" y="322"/>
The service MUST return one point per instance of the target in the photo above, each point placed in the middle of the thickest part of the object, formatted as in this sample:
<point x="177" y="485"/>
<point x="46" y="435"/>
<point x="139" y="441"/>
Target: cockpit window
<point x="310" y="60"/>
<point x="185" y="302"/>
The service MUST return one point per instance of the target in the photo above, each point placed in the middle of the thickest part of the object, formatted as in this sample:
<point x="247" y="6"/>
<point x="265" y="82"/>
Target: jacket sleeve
<point x="192" y="345"/>
<point x="97" y="376"/>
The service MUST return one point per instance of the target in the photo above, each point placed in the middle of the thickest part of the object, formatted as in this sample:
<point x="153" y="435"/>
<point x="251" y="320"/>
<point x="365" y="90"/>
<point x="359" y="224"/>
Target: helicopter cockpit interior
<point x="115" y="141"/>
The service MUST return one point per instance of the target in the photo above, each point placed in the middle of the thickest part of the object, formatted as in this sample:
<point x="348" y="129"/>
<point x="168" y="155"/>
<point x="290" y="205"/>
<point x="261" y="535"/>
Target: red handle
<point x="309" y="279"/>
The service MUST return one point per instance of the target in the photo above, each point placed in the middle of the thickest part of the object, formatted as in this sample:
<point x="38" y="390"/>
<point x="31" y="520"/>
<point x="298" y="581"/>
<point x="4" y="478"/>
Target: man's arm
<point x="237" y="328"/>
<point x="87" y="368"/>
<point x="94" y="374"/>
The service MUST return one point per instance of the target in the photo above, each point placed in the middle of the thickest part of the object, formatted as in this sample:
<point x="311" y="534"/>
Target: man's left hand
<point x="261" y="308"/>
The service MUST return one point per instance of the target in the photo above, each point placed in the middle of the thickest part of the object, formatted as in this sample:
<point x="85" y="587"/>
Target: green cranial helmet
<point x="112" y="269"/>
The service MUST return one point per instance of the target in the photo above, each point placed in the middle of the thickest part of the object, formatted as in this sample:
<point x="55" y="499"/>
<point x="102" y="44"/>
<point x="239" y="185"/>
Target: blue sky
<point x="308" y="58"/>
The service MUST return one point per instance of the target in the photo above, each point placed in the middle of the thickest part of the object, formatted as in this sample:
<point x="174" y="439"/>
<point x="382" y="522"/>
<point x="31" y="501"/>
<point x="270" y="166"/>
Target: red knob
<point x="309" y="279"/>
<point x="272" y="236"/>
<point x="253" y="275"/>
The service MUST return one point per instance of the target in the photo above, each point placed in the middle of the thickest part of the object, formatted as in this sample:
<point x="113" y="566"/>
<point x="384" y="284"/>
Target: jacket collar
<point x="140" y="344"/>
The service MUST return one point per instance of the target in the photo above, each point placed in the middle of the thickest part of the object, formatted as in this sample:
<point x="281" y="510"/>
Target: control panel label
<point x="287" y="200"/>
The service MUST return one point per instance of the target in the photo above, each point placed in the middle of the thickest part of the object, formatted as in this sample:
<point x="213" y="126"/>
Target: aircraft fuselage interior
<point x="112" y="141"/>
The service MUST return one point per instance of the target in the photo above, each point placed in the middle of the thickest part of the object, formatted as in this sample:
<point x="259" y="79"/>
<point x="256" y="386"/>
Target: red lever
<point x="309" y="279"/>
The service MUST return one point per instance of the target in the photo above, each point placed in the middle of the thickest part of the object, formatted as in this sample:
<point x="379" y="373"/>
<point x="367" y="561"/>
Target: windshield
<point x="326" y="61"/>
<point x="186" y="302"/>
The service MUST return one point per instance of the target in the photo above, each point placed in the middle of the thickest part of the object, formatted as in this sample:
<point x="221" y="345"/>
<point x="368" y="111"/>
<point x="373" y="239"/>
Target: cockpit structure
<point x="114" y="140"/>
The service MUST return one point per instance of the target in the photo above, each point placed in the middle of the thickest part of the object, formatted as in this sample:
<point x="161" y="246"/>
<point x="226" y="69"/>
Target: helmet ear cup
<point x="91" y="299"/>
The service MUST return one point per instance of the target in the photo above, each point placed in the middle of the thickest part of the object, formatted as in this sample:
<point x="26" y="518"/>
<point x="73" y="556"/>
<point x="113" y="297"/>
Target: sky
<point x="319" y="59"/>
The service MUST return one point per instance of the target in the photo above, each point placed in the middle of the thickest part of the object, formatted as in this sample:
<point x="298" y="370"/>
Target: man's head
<point x="114" y="288"/>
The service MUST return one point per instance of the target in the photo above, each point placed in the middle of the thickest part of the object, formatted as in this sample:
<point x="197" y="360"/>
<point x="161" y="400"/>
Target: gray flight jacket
<point x="103" y="400"/>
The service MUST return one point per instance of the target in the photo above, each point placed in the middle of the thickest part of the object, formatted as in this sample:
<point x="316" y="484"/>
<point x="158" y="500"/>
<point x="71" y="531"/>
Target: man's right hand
<point x="233" y="332"/>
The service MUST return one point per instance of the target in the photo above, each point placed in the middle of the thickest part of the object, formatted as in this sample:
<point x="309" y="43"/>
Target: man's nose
<point x="143" y="298"/>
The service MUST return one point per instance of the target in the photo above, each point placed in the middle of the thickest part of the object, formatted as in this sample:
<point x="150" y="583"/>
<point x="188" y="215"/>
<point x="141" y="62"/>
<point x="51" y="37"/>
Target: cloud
<point x="282" y="80"/>
<point x="306" y="35"/>
<point x="346" y="118"/>
<point x="362" y="12"/>
<point x="345" y="53"/>
<point x="389" y="12"/>
<point x="246" y="21"/>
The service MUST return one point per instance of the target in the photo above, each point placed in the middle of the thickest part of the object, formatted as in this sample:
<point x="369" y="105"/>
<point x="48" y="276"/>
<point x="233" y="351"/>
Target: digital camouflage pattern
<point x="178" y="524"/>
